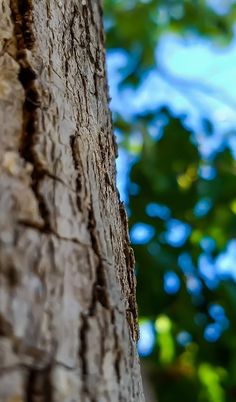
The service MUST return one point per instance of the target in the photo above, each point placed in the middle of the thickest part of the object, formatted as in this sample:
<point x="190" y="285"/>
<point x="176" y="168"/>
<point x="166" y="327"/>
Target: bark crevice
<point x="77" y="166"/>
<point x="22" y="16"/>
<point x="83" y="351"/>
<point x="100" y="291"/>
<point x="132" y="309"/>
<point x="38" y="386"/>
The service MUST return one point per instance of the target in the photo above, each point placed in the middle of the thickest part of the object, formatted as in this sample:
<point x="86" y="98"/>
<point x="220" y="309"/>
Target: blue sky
<point x="199" y="75"/>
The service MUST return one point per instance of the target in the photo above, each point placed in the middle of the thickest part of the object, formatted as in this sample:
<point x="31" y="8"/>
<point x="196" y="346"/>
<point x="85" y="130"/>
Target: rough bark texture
<point x="67" y="297"/>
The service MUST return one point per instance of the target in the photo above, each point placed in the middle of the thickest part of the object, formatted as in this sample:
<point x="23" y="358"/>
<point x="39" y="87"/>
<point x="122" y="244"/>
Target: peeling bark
<point x="68" y="320"/>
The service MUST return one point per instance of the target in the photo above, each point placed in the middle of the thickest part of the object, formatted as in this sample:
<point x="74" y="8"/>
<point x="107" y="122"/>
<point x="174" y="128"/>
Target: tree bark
<point x="68" y="321"/>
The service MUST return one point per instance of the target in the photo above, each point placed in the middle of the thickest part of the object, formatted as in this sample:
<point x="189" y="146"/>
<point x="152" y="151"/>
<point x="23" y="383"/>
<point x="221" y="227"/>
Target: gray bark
<point x="68" y="321"/>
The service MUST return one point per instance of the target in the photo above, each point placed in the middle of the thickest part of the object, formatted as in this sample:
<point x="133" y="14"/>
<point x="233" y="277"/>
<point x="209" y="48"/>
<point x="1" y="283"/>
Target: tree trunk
<point x="68" y="322"/>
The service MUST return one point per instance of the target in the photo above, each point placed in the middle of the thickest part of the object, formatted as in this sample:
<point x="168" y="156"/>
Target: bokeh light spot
<point x="141" y="233"/>
<point x="212" y="332"/>
<point x="147" y="338"/>
<point x="171" y="282"/>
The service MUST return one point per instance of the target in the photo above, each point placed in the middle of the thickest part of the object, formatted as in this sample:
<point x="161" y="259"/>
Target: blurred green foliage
<point x="167" y="174"/>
